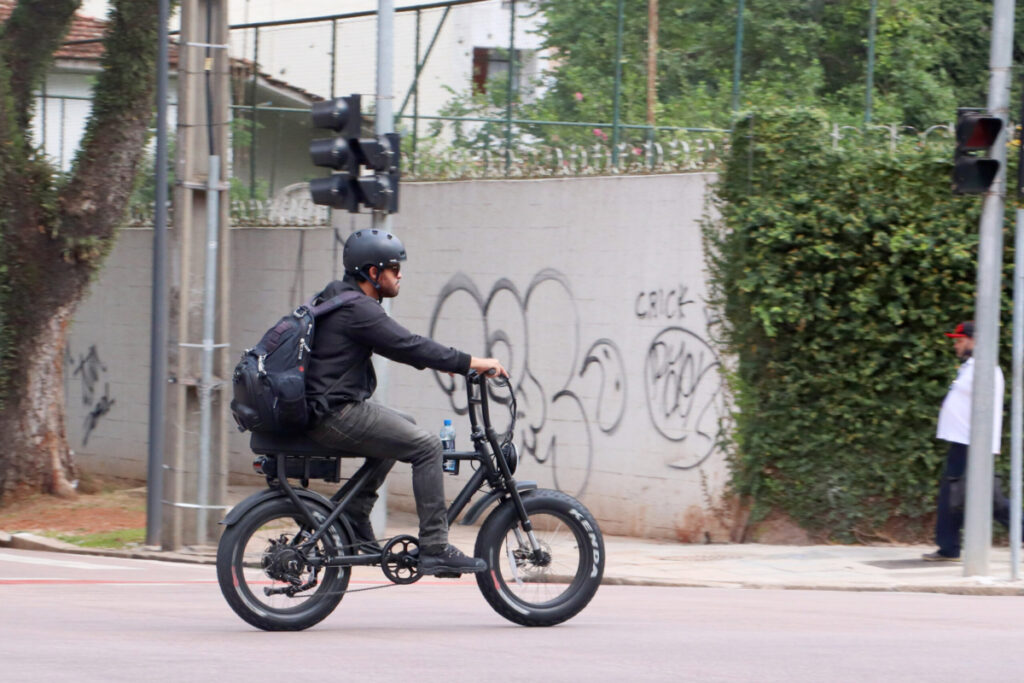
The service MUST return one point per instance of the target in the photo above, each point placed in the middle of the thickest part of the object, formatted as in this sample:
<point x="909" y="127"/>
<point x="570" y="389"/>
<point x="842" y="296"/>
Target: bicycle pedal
<point x="448" y="575"/>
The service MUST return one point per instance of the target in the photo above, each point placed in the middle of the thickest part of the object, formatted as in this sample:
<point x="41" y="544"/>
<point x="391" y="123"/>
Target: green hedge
<point x="835" y="271"/>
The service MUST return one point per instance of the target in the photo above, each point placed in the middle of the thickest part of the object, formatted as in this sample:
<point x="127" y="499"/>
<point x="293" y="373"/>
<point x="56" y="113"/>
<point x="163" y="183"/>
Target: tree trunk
<point x="36" y="455"/>
<point x="55" y="231"/>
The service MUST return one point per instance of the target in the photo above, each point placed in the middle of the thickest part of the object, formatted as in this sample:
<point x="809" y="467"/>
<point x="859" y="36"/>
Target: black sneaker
<point x="939" y="557"/>
<point x="365" y="540"/>
<point x="450" y="561"/>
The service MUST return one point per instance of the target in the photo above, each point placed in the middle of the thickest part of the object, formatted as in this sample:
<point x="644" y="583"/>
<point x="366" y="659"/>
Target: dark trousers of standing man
<point x="949" y="521"/>
<point x="378" y="433"/>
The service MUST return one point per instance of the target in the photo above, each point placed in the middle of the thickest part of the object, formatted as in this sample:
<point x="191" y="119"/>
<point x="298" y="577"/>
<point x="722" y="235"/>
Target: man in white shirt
<point x="955" y="427"/>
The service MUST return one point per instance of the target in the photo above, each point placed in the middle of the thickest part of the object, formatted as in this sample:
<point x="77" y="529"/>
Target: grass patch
<point x="116" y="539"/>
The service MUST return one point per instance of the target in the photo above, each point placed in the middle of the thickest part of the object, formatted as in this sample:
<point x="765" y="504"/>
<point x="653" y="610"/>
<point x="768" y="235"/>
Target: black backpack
<point x="270" y="380"/>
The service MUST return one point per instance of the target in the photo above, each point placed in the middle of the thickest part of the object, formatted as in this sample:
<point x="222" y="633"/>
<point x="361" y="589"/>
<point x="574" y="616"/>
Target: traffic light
<point x="348" y="154"/>
<point x="338" y="190"/>
<point x="976" y="132"/>
<point x="382" y="155"/>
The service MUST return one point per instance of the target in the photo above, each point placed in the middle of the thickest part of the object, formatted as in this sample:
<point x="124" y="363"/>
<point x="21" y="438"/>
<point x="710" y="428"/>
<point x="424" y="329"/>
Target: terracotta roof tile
<point x="87" y="28"/>
<point x="82" y="28"/>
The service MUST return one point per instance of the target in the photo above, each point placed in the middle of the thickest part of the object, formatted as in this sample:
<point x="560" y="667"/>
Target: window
<point x="492" y="62"/>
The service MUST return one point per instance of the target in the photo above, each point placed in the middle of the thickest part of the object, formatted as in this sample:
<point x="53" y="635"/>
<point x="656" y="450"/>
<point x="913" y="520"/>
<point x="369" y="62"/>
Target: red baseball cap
<point x="964" y="329"/>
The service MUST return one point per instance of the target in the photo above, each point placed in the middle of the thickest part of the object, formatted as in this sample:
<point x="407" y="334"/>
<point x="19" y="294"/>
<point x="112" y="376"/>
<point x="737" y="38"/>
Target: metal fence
<point x="444" y="51"/>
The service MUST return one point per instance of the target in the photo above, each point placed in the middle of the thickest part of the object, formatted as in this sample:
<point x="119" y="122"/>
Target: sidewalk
<point x="633" y="561"/>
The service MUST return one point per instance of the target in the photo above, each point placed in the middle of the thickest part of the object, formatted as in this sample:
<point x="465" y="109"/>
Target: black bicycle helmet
<point x="365" y="248"/>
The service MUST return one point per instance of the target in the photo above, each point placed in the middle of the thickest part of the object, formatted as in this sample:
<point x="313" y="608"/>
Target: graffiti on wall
<point x="90" y="369"/>
<point x="564" y="394"/>
<point x="683" y="386"/>
<point x="685" y="395"/>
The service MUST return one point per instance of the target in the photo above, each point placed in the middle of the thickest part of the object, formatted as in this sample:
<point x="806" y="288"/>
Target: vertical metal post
<point x="158" y="312"/>
<point x="618" y="85"/>
<point x="252" y="115"/>
<point x="334" y="55"/>
<point x="870" y="87"/>
<point x="652" y="59"/>
<point x="652" y="160"/>
<point x="416" y="96"/>
<point x="252" y="120"/>
<point x="1017" y="402"/>
<point x="978" y="510"/>
<point x="209" y="345"/>
<point x="737" y="60"/>
<point x="511" y="76"/>
<point x="384" y="122"/>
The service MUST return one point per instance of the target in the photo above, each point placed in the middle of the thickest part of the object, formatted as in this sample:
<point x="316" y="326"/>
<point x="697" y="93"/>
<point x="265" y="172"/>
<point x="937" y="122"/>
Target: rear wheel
<point x="551" y="588"/>
<point x="268" y="579"/>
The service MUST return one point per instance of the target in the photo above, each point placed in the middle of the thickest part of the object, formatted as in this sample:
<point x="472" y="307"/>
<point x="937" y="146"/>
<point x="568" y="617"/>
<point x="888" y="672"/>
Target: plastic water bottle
<point x="448" y="436"/>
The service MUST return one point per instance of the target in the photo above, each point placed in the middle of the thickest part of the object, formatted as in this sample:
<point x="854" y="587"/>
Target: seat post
<point x="347" y="492"/>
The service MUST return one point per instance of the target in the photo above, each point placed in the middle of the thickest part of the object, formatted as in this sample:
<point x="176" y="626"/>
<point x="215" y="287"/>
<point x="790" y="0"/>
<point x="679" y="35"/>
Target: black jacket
<point x="339" y="366"/>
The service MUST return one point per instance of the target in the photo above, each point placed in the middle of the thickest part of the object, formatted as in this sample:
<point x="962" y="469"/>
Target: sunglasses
<point x="395" y="268"/>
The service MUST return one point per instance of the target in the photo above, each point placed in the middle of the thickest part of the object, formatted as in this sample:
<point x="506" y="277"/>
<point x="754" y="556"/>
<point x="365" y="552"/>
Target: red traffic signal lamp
<point x="976" y="132"/>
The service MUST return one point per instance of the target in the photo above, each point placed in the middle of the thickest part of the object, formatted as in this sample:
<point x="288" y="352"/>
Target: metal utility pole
<point x="978" y="509"/>
<point x="384" y="123"/>
<point x="158" y="313"/>
<point x="1017" y="401"/>
<point x="197" y="418"/>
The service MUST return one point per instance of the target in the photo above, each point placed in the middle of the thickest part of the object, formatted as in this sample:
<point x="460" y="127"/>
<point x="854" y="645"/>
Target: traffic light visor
<point x="975" y="131"/>
<point x="974" y="175"/>
<point x="342" y="115"/>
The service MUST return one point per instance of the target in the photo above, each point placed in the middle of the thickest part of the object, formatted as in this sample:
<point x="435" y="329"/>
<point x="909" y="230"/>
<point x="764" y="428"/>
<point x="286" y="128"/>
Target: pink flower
<point x="600" y="134"/>
<point x="637" y="151"/>
<point x="578" y="96"/>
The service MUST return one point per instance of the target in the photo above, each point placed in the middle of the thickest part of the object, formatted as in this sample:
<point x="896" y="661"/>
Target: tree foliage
<point x="930" y="57"/>
<point x="836" y="270"/>
<point x="55" y="228"/>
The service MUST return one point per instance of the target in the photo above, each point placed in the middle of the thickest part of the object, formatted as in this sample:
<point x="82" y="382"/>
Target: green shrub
<point x="835" y="269"/>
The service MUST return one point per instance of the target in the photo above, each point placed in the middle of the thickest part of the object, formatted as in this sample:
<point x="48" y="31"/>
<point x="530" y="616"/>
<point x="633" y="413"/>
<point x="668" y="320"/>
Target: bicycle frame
<point x="493" y="470"/>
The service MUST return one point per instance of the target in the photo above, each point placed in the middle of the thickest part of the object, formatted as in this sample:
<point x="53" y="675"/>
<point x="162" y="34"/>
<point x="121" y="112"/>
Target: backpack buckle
<point x="260" y="368"/>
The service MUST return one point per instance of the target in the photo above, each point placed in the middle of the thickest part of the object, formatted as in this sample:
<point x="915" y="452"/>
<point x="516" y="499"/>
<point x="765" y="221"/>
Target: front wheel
<point x="550" y="588"/>
<point x="268" y="575"/>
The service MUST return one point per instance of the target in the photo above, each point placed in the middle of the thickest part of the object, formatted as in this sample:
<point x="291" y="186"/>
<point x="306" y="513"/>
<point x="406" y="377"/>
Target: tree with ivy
<point x="56" y="229"/>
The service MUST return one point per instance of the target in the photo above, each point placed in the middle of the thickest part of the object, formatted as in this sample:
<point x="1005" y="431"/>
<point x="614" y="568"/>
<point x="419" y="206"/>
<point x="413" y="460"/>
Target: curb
<point x="28" y="541"/>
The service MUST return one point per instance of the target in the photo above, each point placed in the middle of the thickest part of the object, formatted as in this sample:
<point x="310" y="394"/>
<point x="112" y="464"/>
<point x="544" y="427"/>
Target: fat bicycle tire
<point x="556" y="589"/>
<point x="242" y="577"/>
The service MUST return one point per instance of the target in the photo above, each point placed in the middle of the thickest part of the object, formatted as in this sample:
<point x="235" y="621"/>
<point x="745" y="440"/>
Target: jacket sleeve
<point x="370" y="325"/>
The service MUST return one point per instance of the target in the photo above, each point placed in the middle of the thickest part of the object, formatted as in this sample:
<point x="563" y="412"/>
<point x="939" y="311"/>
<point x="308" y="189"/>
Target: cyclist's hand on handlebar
<point x="490" y="367"/>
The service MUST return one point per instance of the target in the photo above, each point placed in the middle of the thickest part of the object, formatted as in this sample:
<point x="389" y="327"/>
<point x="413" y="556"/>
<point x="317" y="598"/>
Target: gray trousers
<point x="378" y="433"/>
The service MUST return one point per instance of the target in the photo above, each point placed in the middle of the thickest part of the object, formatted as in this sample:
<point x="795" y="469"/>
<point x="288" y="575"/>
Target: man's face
<point x="963" y="347"/>
<point x="388" y="279"/>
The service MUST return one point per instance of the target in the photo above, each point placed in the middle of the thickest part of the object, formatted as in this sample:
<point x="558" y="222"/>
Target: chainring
<point x="400" y="560"/>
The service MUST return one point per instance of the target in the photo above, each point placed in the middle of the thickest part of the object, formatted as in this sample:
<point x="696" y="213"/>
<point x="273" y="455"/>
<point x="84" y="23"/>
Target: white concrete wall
<point x="591" y="290"/>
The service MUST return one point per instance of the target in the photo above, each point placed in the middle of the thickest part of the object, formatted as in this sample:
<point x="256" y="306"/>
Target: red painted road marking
<point x="117" y="582"/>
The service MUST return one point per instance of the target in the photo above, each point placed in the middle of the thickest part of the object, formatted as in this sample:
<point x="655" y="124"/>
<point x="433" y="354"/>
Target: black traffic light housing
<point x="973" y="173"/>
<point x="347" y="154"/>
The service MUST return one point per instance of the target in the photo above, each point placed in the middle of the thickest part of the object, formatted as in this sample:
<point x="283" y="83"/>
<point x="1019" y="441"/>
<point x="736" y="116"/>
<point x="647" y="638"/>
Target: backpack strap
<point x="331" y="304"/>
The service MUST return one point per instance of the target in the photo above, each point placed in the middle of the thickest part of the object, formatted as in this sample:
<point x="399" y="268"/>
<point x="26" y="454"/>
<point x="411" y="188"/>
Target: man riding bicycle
<point x="340" y="380"/>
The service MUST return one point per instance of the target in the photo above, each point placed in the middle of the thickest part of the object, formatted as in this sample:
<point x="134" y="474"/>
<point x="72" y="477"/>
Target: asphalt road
<point x="84" y="618"/>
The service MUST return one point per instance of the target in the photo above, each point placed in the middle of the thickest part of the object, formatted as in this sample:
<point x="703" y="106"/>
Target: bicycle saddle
<point x="292" y="444"/>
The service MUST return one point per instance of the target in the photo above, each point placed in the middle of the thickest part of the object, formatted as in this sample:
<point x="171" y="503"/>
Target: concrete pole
<point x="978" y="512"/>
<point x="197" y="416"/>
<point x="384" y="123"/>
